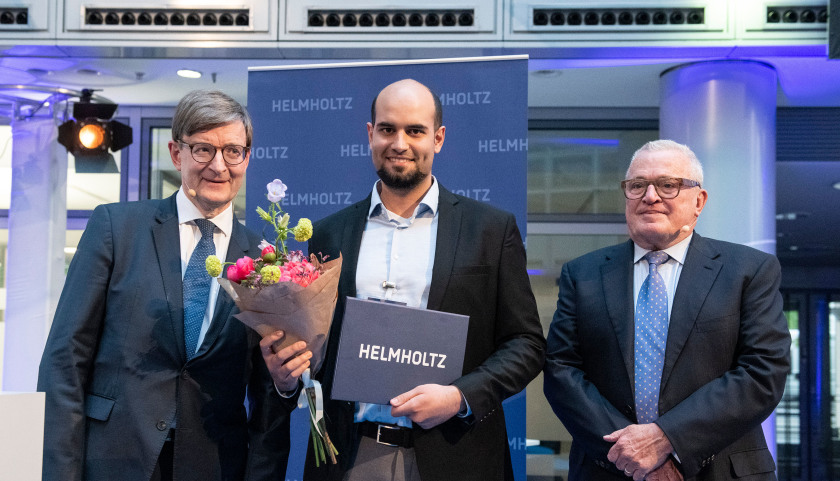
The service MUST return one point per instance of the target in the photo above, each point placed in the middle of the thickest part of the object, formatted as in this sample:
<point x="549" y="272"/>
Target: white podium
<point x="22" y="442"/>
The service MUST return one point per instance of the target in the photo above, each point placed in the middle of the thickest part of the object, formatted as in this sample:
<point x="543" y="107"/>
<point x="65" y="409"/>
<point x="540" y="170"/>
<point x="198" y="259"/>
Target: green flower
<point x="213" y="265"/>
<point x="263" y="214"/>
<point x="284" y="221"/>
<point x="303" y="230"/>
<point x="270" y="274"/>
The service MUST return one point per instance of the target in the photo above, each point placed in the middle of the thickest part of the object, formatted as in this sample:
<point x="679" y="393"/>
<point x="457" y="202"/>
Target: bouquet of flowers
<point x="286" y="290"/>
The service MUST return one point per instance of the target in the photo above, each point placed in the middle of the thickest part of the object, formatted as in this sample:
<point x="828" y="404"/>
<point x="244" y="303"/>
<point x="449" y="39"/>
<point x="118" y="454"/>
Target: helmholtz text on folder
<point x="400" y="355"/>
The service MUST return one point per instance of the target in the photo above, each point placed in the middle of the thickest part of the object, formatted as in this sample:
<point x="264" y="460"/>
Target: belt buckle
<point x="379" y="433"/>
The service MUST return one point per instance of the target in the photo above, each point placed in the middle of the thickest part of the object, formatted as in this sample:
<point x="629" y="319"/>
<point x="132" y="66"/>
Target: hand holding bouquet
<point x="286" y="290"/>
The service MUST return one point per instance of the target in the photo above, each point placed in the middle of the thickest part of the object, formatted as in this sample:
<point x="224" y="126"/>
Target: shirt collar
<point x="428" y="202"/>
<point x="187" y="212"/>
<point x="677" y="251"/>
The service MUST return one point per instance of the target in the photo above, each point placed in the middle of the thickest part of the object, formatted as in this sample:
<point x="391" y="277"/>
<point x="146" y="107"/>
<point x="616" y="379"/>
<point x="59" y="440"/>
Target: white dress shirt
<point x="189" y="237"/>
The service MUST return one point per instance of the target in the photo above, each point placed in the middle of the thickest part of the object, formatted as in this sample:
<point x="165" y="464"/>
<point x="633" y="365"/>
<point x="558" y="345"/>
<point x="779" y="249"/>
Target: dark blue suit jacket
<point x="726" y="359"/>
<point x="479" y="271"/>
<point x="115" y="371"/>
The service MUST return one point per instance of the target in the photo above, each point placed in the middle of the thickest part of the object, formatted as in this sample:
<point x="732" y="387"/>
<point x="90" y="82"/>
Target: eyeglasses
<point x="205" y="153"/>
<point x="666" y="187"/>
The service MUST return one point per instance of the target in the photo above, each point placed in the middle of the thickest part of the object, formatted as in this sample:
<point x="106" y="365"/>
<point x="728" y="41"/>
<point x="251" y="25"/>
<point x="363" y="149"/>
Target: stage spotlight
<point x="91" y="136"/>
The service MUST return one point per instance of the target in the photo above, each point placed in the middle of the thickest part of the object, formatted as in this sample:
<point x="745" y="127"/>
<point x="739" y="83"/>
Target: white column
<point x="35" y="265"/>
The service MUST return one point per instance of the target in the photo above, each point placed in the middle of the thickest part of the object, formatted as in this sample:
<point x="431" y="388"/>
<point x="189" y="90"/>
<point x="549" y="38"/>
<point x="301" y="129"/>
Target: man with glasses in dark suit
<point x="145" y="371"/>
<point x="667" y="352"/>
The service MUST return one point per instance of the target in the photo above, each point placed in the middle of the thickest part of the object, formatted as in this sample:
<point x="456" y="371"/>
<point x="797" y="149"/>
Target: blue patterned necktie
<point x="197" y="286"/>
<point x="651" y="333"/>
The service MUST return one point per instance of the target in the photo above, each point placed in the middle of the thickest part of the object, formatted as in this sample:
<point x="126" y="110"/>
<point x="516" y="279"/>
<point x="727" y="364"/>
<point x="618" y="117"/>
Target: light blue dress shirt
<point x="669" y="270"/>
<point x="396" y="258"/>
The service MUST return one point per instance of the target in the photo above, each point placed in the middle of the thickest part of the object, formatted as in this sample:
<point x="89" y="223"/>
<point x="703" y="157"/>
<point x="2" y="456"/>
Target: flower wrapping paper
<point x="303" y="313"/>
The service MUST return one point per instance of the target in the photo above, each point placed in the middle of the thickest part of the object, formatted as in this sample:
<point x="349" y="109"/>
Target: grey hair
<point x="695" y="167"/>
<point x="203" y="110"/>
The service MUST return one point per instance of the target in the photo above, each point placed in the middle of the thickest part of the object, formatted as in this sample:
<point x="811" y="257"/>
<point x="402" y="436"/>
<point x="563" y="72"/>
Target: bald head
<point x="413" y="88"/>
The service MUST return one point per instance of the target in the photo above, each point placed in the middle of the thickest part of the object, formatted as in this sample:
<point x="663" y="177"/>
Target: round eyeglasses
<point x="666" y="187"/>
<point x="205" y="153"/>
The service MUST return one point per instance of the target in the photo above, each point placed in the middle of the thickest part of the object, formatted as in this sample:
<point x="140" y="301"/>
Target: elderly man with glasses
<point x="666" y="352"/>
<point x="145" y="371"/>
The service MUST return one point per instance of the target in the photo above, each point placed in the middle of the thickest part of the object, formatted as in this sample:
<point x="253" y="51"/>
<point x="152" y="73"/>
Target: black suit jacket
<point x="479" y="270"/>
<point x="115" y="371"/>
<point x="726" y="359"/>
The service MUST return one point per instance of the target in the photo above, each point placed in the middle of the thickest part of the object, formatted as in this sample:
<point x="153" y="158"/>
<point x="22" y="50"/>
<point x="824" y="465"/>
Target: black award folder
<point x="387" y="349"/>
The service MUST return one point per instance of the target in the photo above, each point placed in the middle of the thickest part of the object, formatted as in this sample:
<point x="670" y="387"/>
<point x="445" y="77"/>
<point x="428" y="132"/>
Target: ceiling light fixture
<point x="187" y="73"/>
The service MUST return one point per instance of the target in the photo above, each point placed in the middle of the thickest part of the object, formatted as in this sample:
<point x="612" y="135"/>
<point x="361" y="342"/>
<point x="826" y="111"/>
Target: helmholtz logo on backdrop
<point x="270" y="152"/>
<point x="355" y="150"/>
<point x="314" y="104"/>
<point x="465" y="98"/>
<point x="474" y="193"/>
<point x="502" y="145"/>
<point x="317" y="198"/>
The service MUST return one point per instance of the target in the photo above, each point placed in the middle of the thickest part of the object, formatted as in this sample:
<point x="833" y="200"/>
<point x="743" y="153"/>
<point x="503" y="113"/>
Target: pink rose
<point x="233" y="274"/>
<point x="245" y="266"/>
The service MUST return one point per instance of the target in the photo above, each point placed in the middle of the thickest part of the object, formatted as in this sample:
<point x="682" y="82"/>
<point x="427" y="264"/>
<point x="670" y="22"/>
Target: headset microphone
<point x="687" y="228"/>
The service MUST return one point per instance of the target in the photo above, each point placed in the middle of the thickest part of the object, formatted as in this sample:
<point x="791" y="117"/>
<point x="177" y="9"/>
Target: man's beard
<point x="398" y="181"/>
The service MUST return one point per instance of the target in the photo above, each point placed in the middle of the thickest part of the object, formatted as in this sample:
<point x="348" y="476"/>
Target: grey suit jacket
<point x="115" y="371"/>
<point x="479" y="271"/>
<point x="726" y="359"/>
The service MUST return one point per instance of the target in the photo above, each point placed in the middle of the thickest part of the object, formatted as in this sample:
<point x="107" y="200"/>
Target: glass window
<point x="579" y="171"/>
<point x="86" y="191"/>
<point x="575" y="206"/>
<point x="834" y="363"/>
<point x="787" y="413"/>
<point x="548" y="441"/>
<point x="165" y="178"/>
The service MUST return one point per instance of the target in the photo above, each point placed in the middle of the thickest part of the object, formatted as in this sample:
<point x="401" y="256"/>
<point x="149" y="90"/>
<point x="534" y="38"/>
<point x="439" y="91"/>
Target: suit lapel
<point x="696" y="279"/>
<point x="618" y="294"/>
<point x="238" y="247"/>
<point x="448" y="230"/>
<point x="351" y="242"/>
<point x="168" y="248"/>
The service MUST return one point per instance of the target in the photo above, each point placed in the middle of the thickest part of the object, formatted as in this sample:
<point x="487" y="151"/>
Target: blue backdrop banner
<point x="310" y="132"/>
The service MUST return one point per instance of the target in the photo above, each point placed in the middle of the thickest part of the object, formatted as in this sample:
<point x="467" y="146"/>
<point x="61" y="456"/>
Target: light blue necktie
<point x="197" y="286"/>
<point x="651" y="333"/>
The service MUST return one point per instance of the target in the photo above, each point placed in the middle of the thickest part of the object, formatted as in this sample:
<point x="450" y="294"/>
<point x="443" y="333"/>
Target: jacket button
<point x="162" y="426"/>
<point x="185" y="375"/>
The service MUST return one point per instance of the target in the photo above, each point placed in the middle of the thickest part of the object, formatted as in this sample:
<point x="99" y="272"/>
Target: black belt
<point x="387" y="434"/>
